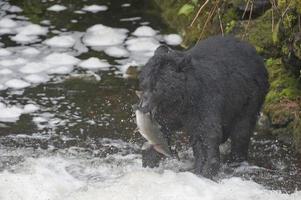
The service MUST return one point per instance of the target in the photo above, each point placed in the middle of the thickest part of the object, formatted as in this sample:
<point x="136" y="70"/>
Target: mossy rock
<point x="259" y="33"/>
<point x="285" y="120"/>
<point x="283" y="103"/>
<point x="282" y="84"/>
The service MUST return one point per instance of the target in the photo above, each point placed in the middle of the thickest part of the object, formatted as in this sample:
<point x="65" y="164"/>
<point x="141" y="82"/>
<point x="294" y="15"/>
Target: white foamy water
<point x="100" y="35"/>
<point x="34" y="67"/>
<point x="24" y="38"/>
<point x="17" y="84"/>
<point x="72" y="174"/>
<point x="37" y="78"/>
<point x="144" y="31"/>
<point x="9" y="114"/>
<point x="58" y="59"/>
<point x="29" y="33"/>
<point x="57" y="8"/>
<point x="12" y="62"/>
<point x="32" y="29"/>
<point x="7" y="23"/>
<point x="142" y="44"/>
<point x="12" y="113"/>
<point x="5" y="71"/>
<point x="179" y="186"/>
<point x="5" y="52"/>
<point x="11" y="8"/>
<point x="94" y="63"/>
<point x="30" y="51"/>
<point x="95" y="8"/>
<point x="173" y="39"/>
<point x="65" y="41"/>
<point x="61" y="70"/>
<point x="117" y="52"/>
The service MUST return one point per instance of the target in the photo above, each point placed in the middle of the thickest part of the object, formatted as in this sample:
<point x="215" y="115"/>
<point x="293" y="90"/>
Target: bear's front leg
<point x="150" y="157"/>
<point x="205" y="140"/>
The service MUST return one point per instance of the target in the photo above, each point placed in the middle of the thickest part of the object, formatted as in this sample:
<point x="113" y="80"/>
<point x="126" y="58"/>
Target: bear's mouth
<point x="147" y="103"/>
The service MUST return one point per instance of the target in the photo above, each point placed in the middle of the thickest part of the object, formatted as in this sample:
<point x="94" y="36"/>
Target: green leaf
<point x="186" y="9"/>
<point x="195" y="2"/>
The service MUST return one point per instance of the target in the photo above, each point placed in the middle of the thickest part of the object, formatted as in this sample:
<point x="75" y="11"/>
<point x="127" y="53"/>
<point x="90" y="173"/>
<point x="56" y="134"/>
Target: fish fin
<point x="158" y="148"/>
<point x="146" y="145"/>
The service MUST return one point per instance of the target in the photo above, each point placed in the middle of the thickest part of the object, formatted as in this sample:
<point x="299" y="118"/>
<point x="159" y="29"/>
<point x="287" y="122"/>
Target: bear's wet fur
<point x="213" y="91"/>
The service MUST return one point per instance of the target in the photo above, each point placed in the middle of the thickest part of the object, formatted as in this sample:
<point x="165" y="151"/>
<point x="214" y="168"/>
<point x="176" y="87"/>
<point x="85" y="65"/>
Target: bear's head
<point x="163" y="82"/>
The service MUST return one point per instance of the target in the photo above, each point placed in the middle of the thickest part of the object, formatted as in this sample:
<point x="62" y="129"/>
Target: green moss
<point x="285" y="50"/>
<point x="282" y="4"/>
<point x="282" y="84"/>
<point x="293" y="4"/>
<point x="289" y="20"/>
<point x="259" y="33"/>
<point x="230" y="26"/>
<point x="298" y="7"/>
<point x="230" y="15"/>
<point x="237" y="3"/>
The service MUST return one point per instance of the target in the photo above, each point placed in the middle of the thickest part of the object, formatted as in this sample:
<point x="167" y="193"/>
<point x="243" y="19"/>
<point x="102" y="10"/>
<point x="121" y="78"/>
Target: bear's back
<point x="230" y="58"/>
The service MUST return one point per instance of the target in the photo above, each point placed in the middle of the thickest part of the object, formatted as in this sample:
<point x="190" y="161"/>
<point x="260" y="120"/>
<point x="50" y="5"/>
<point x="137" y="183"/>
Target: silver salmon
<point x="150" y="130"/>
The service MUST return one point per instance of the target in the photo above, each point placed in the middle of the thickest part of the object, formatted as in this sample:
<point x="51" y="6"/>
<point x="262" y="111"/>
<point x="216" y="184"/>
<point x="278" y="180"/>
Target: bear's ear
<point x="163" y="49"/>
<point x="184" y="63"/>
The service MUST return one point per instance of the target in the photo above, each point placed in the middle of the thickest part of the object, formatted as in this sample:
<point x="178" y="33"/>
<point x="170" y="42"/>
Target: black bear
<point x="212" y="91"/>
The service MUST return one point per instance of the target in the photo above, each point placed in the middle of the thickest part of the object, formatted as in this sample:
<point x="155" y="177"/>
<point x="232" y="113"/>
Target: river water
<point x="67" y="128"/>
